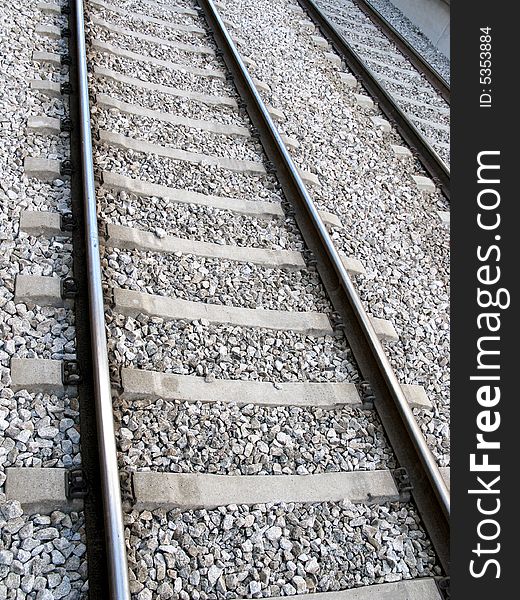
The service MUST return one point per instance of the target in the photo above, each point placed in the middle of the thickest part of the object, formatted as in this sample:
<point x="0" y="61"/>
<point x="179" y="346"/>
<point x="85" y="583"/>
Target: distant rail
<point x="429" y="158"/>
<point x="427" y="70"/>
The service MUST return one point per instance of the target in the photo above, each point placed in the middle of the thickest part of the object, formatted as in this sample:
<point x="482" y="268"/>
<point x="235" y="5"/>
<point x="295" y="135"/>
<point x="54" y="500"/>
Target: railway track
<point x="264" y="444"/>
<point x="410" y="92"/>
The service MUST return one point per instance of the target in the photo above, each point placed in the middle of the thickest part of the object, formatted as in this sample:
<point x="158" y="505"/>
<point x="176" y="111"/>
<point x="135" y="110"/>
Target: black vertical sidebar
<point x="484" y="399"/>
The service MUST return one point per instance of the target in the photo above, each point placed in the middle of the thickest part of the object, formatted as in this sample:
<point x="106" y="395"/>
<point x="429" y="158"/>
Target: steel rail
<point x="428" y="71"/>
<point x="429" y="489"/>
<point x="428" y="157"/>
<point x="111" y="491"/>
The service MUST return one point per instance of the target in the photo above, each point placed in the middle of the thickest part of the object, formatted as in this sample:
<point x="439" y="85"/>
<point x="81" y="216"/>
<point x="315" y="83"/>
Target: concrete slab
<point x="289" y="141"/>
<point x="296" y="9"/>
<point x="307" y="26"/>
<point x="330" y="219"/>
<point x="39" y="490"/>
<point x="152" y="38"/>
<point x="425" y="184"/>
<point x="50" y="31"/>
<point x="49" y="8"/>
<point x="191" y="491"/>
<point x="229" y="164"/>
<point x="238" y="41"/>
<point x="181" y="10"/>
<point x="364" y="101"/>
<point x="50" y="58"/>
<point x="38" y="222"/>
<point x="308" y="177"/>
<point x="105" y="101"/>
<point x="373" y="50"/>
<point x="384" y="329"/>
<point x="158" y="62"/>
<point x="193" y="29"/>
<point x="44" y="125"/>
<point x="37" y="289"/>
<point x="126" y="237"/>
<point x="319" y="41"/>
<point x="408" y="589"/>
<point x="401" y="151"/>
<point x="48" y="88"/>
<point x="391" y="67"/>
<point x="249" y="62"/>
<point x="444" y="217"/>
<point x="349" y="80"/>
<point x="132" y="303"/>
<point x="276" y="115"/>
<point x="382" y="124"/>
<point x="139" y="384"/>
<point x="352" y="265"/>
<point x="416" y="396"/>
<point x="413" y="102"/>
<point x="333" y="58"/>
<point x="432" y="124"/>
<point x="258" y="208"/>
<point x="398" y="80"/>
<point x="43" y="168"/>
<point x="37" y="375"/>
<point x="164" y="89"/>
<point x="261" y="85"/>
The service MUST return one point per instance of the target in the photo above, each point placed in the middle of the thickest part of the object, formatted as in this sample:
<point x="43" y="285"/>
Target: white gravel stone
<point x="215" y="281"/>
<point x="188" y="348"/>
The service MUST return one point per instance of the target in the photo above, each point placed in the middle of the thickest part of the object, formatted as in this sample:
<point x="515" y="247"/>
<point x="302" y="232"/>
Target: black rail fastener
<point x="71" y="372"/>
<point x="443" y="585"/>
<point x="69" y="288"/>
<point x="336" y="320"/>
<point x="66" y="60"/>
<point x="402" y="480"/>
<point x="66" y="88"/>
<point x="66" y="9"/>
<point x="310" y="259"/>
<point x="269" y="167"/>
<point x="68" y="222"/>
<point x="66" y="167"/>
<point x="66" y="32"/>
<point x="430" y="160"/>
<point x="366" y="393"/>
<point x="66" y="124"/>
<point x="76" y="483"/>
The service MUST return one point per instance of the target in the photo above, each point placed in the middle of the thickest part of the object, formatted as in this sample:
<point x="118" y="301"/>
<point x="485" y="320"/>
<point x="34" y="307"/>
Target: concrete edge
<point x="126" y="237"/>
<point x="133" y="303"/>
<point x="191" y="491"/>
<point x="39" y="490"/>
<point x="139" y="384"/>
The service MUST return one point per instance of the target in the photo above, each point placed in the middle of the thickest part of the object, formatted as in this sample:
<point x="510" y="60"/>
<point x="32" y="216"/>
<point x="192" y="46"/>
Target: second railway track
<point x="243" y="366"/>
<point x="411" y="94"/>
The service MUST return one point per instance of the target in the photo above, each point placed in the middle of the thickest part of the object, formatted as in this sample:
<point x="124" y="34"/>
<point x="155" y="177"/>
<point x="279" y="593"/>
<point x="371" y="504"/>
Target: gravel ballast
<point x="414" y="36"/>
<point x="215" y="281"/>
<point x="273" y="550"/>
<point x="389" y="225"/>
<point x="224" y="352"/>
<point x="250" y="440"/>
<point x="358" y="29"/>
<point x="41" y="556"/>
